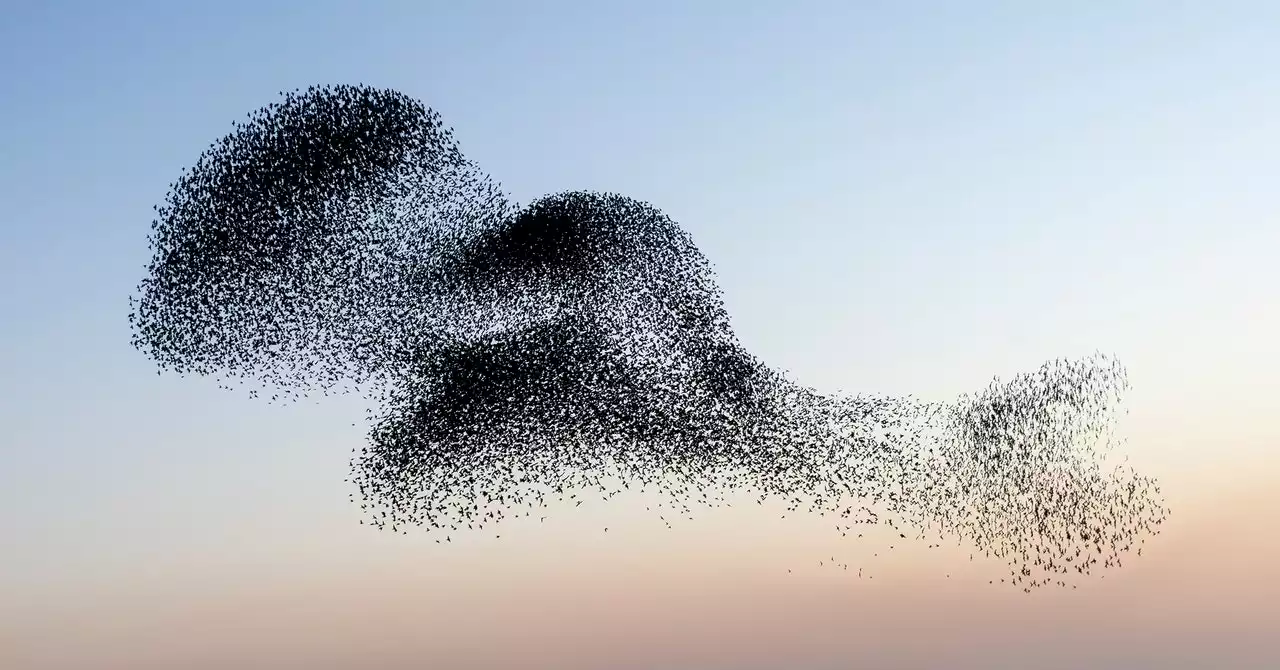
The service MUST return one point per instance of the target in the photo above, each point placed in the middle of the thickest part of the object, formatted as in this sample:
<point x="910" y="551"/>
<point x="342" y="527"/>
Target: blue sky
<point x="902" y="197"/>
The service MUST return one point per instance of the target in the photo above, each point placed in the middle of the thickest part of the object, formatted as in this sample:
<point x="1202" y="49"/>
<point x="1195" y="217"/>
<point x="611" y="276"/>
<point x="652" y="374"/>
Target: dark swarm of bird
<point x="339" y="240"/>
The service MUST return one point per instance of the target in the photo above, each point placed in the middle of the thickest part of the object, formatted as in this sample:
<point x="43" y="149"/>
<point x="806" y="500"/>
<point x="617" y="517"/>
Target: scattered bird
<point x="339" y="239"/>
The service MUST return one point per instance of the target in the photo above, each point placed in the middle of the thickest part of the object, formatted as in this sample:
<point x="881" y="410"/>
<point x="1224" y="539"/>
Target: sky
<point x="898" y="197"/>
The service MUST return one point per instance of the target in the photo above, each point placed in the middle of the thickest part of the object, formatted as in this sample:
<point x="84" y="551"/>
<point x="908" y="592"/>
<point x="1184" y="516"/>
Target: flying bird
<point x="339" y="239"/>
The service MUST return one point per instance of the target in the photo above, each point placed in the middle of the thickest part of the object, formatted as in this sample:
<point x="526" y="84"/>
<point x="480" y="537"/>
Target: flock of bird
<point x="339" y="240"/>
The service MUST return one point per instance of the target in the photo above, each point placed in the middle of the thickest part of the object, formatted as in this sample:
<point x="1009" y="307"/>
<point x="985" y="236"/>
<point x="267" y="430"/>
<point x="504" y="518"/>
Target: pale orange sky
<point x="715" y="591"/>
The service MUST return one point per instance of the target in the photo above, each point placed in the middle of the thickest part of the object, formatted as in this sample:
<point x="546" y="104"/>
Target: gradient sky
<point x="899" y="197"/>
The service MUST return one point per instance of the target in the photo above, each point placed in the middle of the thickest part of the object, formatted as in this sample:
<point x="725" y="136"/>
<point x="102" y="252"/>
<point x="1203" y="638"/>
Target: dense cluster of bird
<point x="520" y="354"/>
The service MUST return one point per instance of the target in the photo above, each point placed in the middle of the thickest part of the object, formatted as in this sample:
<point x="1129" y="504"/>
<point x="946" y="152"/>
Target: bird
<point x="340" y="239"/>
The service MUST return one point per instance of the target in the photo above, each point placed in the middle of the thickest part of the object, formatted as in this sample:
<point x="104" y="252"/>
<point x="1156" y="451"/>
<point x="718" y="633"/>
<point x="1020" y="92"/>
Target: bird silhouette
<point x="339" y="240"/>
